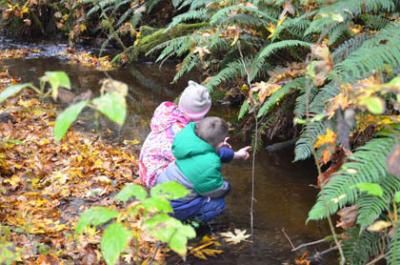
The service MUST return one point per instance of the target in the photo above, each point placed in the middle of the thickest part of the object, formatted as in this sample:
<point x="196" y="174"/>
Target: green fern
<point x="231" y="71"/>
<point x="308" y="136"/>
<point x="223" y="15"/>
<point x="191" y="15"/>
<point x="362" y="62"/>
<point x="367" y="164"/>
<point x="393" y="257"/>
<point x="360" y="246"/>
<point x="276" y="97"/>
<point x="272" y="48"/>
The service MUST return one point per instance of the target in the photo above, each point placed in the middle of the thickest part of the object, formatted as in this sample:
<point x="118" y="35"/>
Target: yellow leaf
<point x="379" y="226"/>
<point x="82" y="27"/>
<point x="272" y="29"/>
<point x="328" y="138"/>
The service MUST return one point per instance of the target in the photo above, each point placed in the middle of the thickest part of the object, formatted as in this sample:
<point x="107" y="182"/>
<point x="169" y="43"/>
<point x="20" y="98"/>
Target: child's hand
<point x="225" y="143"/>
<point x="243" y="153"/>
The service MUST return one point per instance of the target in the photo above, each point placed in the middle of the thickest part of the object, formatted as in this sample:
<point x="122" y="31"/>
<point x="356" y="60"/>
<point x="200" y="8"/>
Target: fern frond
<point x="296" y="26"/>
<point x="325" y="94"/>
<point x="393" y="257"/>
<point x="362" y="62"/>
<point x="276" y="97"/>
<point x="337" y="32"/>
<point x="304" y="100"/>
<point x="375" y="22"/>
<point x="359" y="247"/>
<point x="187" y="65"/>
<point x="341" y="53"/>
<point x="231" y="71"/>
<point x="307" y="139"/>
<point x="367" y="164"/>
<point x="272" y="48"/>
<point x="200" y="14"/>
<point x="222" y="15"/>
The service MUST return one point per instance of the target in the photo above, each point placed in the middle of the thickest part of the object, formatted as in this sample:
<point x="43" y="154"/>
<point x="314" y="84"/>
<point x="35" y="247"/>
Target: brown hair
<point x="213" y="130"/>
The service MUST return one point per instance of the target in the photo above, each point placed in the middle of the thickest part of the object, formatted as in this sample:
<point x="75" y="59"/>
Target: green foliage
<point x="370" y="188"/>
<point x="115" y="239"/>
<point x="66" y="118"/>
<point x="360" y="246"/>
<point x="113" y="106"/>
<point x="308" y="136"/>
<point x="152" y="209"/>
<point x="95" y="216"/>
<point x="361" y="63"/>
<point x="131" y="191"/>
<point x="367" y="164"/>
<point x="11" y="91"/>
<point x="169" y="190"/>
<point x="56" y="80"/>
<point x="394" y="252"/>
<point x="279" y="95"/>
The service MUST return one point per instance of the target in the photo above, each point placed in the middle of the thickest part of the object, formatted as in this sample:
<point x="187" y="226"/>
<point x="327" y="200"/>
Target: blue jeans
<point x="202" y="209"/>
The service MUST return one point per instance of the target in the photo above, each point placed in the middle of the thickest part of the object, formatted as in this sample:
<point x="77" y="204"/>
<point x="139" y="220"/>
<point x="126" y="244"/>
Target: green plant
<point x="153" y="212"/>
<point x="110" y="103"/>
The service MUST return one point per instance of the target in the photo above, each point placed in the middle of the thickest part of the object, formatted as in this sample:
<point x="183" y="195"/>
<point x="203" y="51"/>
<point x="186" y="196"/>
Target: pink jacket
<point x="156" y="153"/>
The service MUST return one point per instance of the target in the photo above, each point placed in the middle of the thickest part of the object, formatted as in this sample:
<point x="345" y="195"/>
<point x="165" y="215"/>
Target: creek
<point x="282" y="188"/>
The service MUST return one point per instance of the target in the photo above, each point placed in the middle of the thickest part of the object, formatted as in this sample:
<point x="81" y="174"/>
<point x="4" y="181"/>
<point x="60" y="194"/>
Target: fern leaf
<point x="276" y="97"/>
<point x="307" y="139"/>
<point x="362" y="62"/>
<point x="367" y="164"/>
<point x="393" y="257"/>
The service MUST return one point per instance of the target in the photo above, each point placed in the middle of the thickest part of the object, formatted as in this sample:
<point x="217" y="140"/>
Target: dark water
<point x="282" y="189"/>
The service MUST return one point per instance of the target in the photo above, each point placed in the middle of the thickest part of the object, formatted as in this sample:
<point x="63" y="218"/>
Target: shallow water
<point x="282" y="188"/>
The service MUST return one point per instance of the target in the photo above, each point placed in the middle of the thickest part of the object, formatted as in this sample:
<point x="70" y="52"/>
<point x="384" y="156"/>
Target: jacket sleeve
<point x="226" y="154"/>
<point x="220" y="192"/>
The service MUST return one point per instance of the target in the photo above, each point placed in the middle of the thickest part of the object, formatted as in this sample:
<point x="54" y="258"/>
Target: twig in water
<point x="317" y="256"/>
<point x="288" y="238"/>
<point x="294" y="248"/>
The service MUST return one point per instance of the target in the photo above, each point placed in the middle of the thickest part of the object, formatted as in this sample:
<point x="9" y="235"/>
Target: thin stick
<point x="339" y="246"/>
<point x="294" y="248"/>
<point x="253" y="162"/>
<point x="253" y="178"/>
<point x="153" y="257"/>
<point x="288" y="238"/>
<point x="318" y="255"/>
<point x="375" y="260"/>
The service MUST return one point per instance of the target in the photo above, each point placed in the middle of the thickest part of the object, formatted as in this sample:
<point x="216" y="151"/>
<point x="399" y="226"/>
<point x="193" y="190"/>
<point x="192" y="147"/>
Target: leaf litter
<point x="46" y="185"/>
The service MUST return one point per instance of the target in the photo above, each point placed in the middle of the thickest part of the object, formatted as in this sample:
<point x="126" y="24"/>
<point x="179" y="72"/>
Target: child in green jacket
<point x="198" y="168"/>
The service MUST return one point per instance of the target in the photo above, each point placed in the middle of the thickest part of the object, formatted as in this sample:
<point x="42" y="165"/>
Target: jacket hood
<point x="187" y="144"/>
<point x="165" y="116"/>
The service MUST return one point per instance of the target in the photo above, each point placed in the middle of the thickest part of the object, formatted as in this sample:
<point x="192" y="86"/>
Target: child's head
<point x="195" y="101"/>
<point x="213" y="130"/>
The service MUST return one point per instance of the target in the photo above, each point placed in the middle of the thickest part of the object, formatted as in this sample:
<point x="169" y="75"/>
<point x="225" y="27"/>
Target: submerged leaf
<point x="236" y="237"/>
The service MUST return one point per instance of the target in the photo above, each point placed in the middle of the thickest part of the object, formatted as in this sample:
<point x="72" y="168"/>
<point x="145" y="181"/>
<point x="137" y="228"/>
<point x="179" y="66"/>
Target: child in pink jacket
<point x="167" y="121"/>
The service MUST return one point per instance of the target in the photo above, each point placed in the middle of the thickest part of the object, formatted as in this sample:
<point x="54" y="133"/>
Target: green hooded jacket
<point x="197" y="160"/>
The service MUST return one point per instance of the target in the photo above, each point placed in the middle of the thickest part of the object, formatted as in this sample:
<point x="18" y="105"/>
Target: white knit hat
<point x="195" y="101"/>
